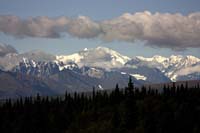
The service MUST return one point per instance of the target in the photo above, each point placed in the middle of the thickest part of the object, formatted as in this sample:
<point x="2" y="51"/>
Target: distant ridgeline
<point x="175" y="110"/>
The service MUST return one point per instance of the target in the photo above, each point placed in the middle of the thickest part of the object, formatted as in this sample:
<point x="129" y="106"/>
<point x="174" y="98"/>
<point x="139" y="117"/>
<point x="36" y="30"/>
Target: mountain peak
<point x="96" y="57"/>
<point x="85" y="49"/>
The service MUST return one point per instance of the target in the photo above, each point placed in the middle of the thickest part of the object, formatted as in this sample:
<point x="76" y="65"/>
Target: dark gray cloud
<point x="6" y="49"/>
<point x="165" y="30"/>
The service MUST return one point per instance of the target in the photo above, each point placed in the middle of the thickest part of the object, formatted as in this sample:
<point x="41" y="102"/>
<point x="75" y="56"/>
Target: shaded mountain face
<point x="17" y="85"/>
<point x="99" y="67"/>
<point x="145" y="73"/>
<point x="25" y="82"/>
<point x="72" y="78"/>
<point x="39" y="69"/>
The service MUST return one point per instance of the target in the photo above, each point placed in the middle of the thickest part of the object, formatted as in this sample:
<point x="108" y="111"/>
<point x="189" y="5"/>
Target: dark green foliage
<point x="176" y="109"/>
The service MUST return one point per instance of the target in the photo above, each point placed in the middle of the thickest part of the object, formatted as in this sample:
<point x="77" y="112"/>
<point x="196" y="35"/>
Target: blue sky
<point x="98" y="11"/>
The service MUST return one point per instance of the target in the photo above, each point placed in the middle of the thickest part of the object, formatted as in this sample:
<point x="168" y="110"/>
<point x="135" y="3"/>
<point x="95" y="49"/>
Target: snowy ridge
<point x="95" y="57"/>
<point x="173" y="59"/>
<point x="102" y="59"/>
<point x="173" y="66"/>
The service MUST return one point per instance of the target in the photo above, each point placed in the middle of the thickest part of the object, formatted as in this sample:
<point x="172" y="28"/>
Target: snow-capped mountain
<point x="71" y="77"/>
<point x="173" y="67"/>
<point x="11" y="60"/>
<point x="100" y="67"/>
<point x="106" y="59"/>
<point x="96" y="57"/>
<point x="39" y="69"/>
<point x="96" y="62"/>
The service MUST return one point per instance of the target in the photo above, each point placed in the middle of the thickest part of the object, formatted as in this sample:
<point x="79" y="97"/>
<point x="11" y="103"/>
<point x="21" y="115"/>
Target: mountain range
<point x="38" y="72"/>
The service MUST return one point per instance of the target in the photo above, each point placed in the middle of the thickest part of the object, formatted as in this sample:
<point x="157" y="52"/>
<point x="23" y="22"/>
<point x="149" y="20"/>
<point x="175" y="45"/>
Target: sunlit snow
<point x="139" y="77"/>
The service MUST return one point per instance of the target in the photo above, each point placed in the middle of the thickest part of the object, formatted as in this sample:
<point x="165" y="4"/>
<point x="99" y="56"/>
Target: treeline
<point x="130" y="110"/>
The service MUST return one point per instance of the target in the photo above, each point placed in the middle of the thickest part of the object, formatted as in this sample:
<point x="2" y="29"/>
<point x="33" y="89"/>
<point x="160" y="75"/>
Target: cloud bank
<point x="164" y="30"/>
<point x="6" y="49"/>
<point x="189" y="70"/>
<point x="44" y="27"/>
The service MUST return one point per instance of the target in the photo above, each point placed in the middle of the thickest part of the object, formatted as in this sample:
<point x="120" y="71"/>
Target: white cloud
<point x="6" y="49"/>
<point x="165" y="30"/>
<point x="173" y="31"/>
<point x="189" y="70"/>
<point x="83" y="27"/>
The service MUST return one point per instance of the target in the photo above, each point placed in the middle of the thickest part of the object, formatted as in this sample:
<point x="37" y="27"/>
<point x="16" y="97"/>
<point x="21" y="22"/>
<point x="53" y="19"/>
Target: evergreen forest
<point x="175" y="109"/>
